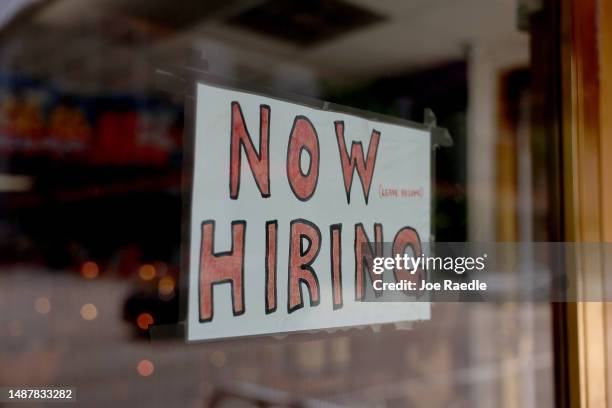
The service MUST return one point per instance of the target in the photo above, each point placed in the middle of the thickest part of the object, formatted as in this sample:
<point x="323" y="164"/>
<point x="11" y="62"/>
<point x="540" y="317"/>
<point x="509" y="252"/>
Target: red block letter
<point x="300" y="261"/>
<point x="364" y="254"/>
<point x="303" y="137"/>
<point x="259" y="163"/>
<point x="405" y="237"/>
<point x="365" y="169"/>
<point x="271" y="257"/>
<point x="221" y="267"/>
<point x="336" y="263"/>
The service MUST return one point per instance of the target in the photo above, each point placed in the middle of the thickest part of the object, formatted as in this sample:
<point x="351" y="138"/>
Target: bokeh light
<point x="166" y="287"/>
<point x="89" y="311"/>
<point x="145" y="368"/>
<point x="218" y="358"/>
<point x="90" y="270"/>
<point x="144" y="320"/>
<point x="147" y="272"/>
<point x="42" y="305"/>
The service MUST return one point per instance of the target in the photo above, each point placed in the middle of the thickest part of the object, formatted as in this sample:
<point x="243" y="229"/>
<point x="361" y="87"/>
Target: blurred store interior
<point x="91" y="155"/>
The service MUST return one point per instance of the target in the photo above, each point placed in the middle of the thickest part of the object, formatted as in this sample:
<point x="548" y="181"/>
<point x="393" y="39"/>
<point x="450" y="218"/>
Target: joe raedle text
<point x="447" y="284"/>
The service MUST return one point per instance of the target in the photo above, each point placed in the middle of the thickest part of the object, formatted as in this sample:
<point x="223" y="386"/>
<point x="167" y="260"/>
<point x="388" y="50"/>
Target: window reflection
<point x="91" y="155"/>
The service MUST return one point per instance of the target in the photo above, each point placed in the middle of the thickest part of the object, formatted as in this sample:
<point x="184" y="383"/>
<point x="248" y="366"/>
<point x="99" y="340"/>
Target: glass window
<point x="91" y="160"/>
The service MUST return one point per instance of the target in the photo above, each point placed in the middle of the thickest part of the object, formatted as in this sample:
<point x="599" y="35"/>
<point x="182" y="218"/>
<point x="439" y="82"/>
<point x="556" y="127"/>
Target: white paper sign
<point x="285" y="199"/>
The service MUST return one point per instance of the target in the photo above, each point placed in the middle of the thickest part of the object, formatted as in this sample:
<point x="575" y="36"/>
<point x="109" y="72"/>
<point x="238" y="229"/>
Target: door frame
<point x="585" y="191"/>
